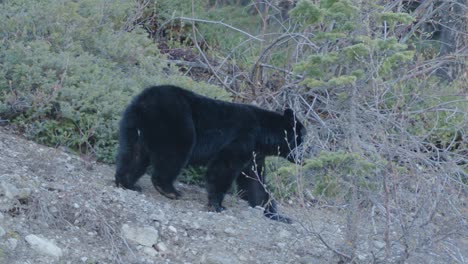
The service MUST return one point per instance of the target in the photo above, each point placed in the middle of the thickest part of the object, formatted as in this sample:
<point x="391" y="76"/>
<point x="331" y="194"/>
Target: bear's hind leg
<point x="163" y="178"/>
<point x="169" y="155"/>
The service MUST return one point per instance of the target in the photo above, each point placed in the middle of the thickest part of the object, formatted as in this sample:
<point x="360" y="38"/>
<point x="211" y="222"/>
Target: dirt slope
<point x="57" y="208"/>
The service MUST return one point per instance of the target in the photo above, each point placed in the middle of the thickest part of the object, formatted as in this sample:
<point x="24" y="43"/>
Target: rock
<point x="284" y="234"/>
<point x="12" y="243"/>
<point x="379" y="244"/>
<point x="195" y="225"/>
<point x="219" y="257"/>
<point x="1" y="216"/>
<point x="9" y="190"/>
<point x="172" y="229"/>
<point x="53" y="209"/>
<point x="54" y="187"/>
<point x="145" y="236"/>
<point x="150" y="251"/>
<point x="281" y="245"/>
<point x="159" y="217"/>
<point x="23" y="193"/>
<point x="69" y="167"/>
<point x="208" y="237"/>
<point x="157" y="225"/>
<point x="161" y="247"/>
<point x="44" y="246"/>
<point x="230" y="231"/>
<point x="243" y="258"/>
<point x="309" y="260"/>
<point x="362" y="257"/>
<point x="2" y="231"/>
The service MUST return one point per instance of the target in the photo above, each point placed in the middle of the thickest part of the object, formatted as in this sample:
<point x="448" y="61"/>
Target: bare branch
<point x="208" y="22"/>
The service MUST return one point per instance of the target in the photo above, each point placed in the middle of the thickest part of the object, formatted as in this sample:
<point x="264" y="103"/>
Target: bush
<point x="69" y="68"/>
<point x="328" y="176"/>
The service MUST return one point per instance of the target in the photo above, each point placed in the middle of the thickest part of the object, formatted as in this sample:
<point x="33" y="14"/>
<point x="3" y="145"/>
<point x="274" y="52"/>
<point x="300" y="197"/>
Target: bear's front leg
<point x="222" y="171"/>
<point x="251" y="183"/>
<point x="219" y="180"/>
<point x="272" y="212"/>
<point x="215" y="199"/>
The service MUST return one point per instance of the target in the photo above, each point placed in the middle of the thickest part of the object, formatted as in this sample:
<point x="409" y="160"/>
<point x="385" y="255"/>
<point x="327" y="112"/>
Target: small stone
<point x="161" y="247"/>
<point x="146" y="236"/>
<point x="23" y="193"/>
<point x="159" y="217"/>
<point x="69" y="167"/>
<point x="9" y="190"/>
<point x="219" y="257"/>
<point x="284" y="234"/>
<point x="43" y="245"/>
<point x="172" y="229"/>
<point x="12" y="243"/>
<point x="230" y="231"/>
<point x="84" y="259"/>
<point x="379" y="244"/>
<point x="2" y="231"/>
<point x="281" y="245"/>
<point x="309" y="260"/>
<point x="150" y="251"/>
<point x="53" y="209"/>
<point x="156" y="224"/>
<point x="1" y="216"/>
<point x="231" y="241"/>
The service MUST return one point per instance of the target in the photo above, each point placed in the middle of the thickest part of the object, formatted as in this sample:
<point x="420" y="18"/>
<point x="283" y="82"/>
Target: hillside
<point x="56" y="207"/>
<point x="73" y="204"/>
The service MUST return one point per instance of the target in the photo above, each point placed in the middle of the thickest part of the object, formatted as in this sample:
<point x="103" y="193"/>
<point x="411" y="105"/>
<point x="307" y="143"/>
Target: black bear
<point x="170" y="128"/>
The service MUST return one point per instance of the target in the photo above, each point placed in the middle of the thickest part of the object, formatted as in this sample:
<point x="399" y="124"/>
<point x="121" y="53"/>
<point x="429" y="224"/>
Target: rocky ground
<point x="58" y="208"/>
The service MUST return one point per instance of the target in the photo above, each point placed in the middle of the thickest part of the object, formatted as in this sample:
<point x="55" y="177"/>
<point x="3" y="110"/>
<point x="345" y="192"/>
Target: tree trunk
<point x="454" y="39"/>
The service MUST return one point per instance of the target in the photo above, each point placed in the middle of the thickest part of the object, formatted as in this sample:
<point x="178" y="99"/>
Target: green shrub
<point x="329" y="175"/>
<point x="69" y="68"/>
<point x="335" y="172"/>
<point x="193" y="175"/>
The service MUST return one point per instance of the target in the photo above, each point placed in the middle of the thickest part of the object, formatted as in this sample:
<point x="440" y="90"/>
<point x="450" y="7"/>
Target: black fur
<point x="170" y="128"/>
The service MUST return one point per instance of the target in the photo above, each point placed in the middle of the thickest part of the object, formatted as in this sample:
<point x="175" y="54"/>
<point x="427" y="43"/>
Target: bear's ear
<point x="289" y="114"/>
